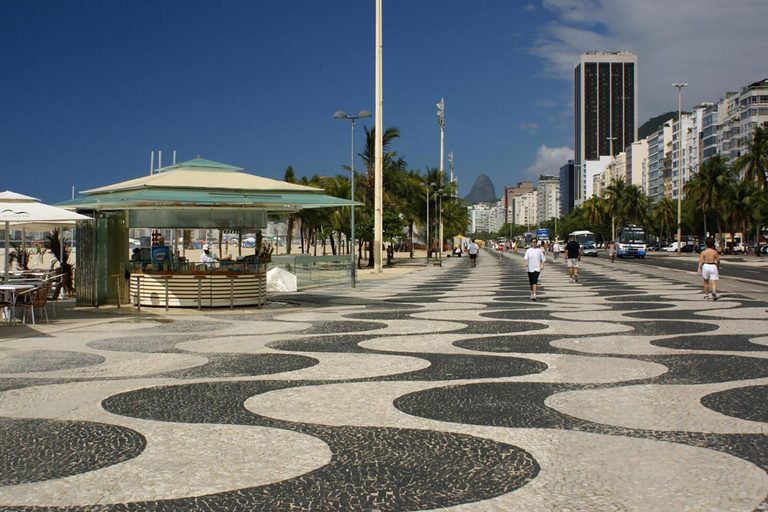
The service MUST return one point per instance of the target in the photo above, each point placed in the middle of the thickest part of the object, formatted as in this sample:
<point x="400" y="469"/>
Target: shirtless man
<point x="709" y="268"/>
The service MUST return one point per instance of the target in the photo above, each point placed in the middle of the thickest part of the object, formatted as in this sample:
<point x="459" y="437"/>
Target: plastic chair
<point x="31" y="299"/>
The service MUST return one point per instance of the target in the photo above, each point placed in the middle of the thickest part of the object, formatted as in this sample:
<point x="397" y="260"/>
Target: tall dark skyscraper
<point x="605" y="98"/>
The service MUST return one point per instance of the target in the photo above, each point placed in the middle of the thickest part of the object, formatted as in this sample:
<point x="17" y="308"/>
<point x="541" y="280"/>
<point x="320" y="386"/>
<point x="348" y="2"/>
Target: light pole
<point x="613" y="215"/>
<point x="441" y="121"/>
<point x="679" y="166"/>
<point x="427" y="232"/>
<point x="340" y="114"/>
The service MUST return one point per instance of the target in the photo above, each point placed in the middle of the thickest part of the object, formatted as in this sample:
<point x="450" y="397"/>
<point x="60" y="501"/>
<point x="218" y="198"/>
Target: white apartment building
<point x="659" y="161"/>
<point x="739" y="113"/>
<point x="637" y="154"/>
<point x="526" y="209"/>
<point x="486" y="217"/>
<point x="548" y="198"/>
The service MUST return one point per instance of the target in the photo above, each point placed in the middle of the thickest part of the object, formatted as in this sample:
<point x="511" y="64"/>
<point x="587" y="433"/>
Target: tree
<point x="614" y="194"/>
<point x="289" y="177"/>
<point x="718" y="177"/>
<point x="593" y="210"/>
<point x="754" y="163"/>
<point x="634" y="205"/>
<point x="665" y="214"/>
<point x="743" y="201"/>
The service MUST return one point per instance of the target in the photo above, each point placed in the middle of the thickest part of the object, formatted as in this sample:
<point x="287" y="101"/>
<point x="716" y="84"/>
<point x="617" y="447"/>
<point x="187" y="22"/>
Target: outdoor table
<point x="13" y="290"/>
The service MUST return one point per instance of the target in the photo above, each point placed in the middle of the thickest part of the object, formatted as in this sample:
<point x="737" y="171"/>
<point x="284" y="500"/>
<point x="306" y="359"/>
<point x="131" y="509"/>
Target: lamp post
<point x="427" y="232"/>
<point x="679" y="166"/>
<point x="441" y="121"/>
<point x="340" y="114"/>
<point x="613" y="215"/>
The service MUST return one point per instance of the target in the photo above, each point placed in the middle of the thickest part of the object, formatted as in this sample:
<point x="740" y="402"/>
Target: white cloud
<point x="549" y="161"/>
<point x="529" y="7"/>
<point x="545" y="103"/>
<point x="714" y="46"/>
<point x="529" y="127"/>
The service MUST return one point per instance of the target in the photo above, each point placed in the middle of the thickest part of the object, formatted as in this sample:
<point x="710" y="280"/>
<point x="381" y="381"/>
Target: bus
<point x="632" y="242"/>
<point x="583" y="237"/>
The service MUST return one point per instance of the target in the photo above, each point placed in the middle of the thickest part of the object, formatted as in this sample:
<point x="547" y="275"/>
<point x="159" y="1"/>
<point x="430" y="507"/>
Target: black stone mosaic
<point x="36" y="450"/>
<point x="496" y="327"/>
<point x="371" y="468"/>
<point x="524" y="343"/>
<point x="144" y="344"/>
<point x="745" y="403"/>
<point x="47" y="361"/>
<point x="342" y="343"/>
<point x="723" y="342"/>
<point x="243" y="365"/>
<point x="458" y="367"/>
<point x="666" y="328"/>
<point x="342" y="327"/>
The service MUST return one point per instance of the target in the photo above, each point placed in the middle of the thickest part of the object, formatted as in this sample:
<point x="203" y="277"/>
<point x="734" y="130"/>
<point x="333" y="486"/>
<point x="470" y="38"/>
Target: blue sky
<point x="90" y="88"/>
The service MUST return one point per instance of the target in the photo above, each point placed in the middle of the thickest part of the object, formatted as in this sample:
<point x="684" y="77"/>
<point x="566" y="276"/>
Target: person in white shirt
<point x="472" y="250"/>
<point x="208" y="257"/>
<point x="534" y="262"/>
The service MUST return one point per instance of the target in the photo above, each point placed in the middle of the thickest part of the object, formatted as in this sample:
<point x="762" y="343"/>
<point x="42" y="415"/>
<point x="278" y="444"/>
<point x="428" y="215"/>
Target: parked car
<point x="671" y="247"/>
<point x="589" y="250"/>
<point x="652" y="246"/>
<point x="687" y="248"/>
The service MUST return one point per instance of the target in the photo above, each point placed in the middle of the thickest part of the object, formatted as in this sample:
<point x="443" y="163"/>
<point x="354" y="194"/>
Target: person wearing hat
<point x="208" y="257"/>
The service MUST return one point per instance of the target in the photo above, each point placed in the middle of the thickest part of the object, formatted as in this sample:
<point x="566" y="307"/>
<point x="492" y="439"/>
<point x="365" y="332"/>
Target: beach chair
<point x="33" y="299"/>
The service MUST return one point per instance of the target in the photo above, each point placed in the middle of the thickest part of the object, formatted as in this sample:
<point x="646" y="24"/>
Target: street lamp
<point x="679" y="166"/>
<point x="340" y="114"/>
<point x="427" y="233"/>
<point x="613" y="214"/>
<point x="441" y="121"/>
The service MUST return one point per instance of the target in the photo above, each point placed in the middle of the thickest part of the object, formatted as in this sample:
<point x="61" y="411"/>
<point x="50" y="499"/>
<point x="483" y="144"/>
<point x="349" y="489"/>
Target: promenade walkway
<point x="442" y="389"/>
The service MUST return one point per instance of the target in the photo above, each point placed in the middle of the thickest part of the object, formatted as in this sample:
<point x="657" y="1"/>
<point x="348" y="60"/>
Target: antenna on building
<point x="174" y="157"/>
<point x="151" y="162"/>
<point x="159" y="159"/>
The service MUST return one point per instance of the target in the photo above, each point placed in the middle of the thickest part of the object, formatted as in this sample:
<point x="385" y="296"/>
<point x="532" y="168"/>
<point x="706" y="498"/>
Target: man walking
<point x="534" y="263"/>
<point x="472" y="250"/>
<point x="572" y="258"/>
<point x="709" y="267"/>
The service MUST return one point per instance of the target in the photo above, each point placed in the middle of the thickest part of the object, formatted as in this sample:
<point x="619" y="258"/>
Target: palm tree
<point x="293" y="218"/>
<point x="665" y="214"/>
<point x="390" y="165"/>
<point x="613" y="196"/>
<point x="634" y="205"/>
<point x="754" y="163"/>
<point x="719" y="178"/>
<point x="594" y="211"/>
<point x="742" y="200"/>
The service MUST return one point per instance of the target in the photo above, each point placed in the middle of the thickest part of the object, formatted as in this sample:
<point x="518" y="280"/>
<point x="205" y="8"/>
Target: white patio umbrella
<point x="25" y="212"/>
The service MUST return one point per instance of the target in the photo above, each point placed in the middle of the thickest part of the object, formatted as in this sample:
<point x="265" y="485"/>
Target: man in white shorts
<point x="709" y="268"/>
<point x="572" y="258"/>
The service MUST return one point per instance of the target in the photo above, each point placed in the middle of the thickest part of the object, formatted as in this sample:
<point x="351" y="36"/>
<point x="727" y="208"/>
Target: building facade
<point x="486" y="217"/>
<point x="547" y="198"/>
<point x="605" y="98"/>
<point x="525" y="208"/>
<point x="510" y="193"/>
<point x="567" y="183"/>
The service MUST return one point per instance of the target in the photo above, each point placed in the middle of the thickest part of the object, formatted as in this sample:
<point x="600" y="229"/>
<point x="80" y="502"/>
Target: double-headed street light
<point x="679" y="166"/>
<point x="340" y="114"/>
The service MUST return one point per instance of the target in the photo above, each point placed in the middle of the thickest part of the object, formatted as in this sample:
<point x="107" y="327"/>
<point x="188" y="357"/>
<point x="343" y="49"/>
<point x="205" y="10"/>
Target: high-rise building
<point x="567" y="182"/>
<point x="605" y="96"/>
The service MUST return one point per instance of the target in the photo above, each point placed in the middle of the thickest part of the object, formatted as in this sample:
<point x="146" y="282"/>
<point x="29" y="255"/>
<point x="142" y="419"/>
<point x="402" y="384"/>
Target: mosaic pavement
<point x="446" y="389"/>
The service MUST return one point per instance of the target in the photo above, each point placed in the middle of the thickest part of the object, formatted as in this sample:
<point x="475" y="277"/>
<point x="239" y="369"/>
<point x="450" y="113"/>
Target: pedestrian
<point x="612" y="250"/>
<point x="534" y="262"/>
<point x="709" y="268"/>
<point x="472" y="250"/>
<point x="572" y="258"/>
<point x="500" y="249"/>
<point x="556" y="250"/>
